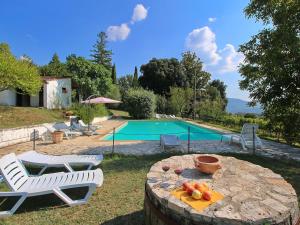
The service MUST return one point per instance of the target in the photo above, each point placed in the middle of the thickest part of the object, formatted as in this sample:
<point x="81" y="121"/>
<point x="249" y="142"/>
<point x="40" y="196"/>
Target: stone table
<point x="252" y="195"/>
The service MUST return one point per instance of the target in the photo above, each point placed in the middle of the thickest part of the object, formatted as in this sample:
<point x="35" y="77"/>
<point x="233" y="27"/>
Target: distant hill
<point x="240" y="106"/>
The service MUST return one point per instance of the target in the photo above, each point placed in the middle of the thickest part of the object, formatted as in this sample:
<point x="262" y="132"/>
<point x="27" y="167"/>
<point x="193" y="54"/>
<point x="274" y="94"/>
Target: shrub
<point x="88" y="112"/>
<point x="161" y="104"/>
<point x="140" y="103"/>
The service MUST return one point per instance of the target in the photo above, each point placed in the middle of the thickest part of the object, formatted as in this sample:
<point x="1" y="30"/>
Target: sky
<point x="137" y="32"/>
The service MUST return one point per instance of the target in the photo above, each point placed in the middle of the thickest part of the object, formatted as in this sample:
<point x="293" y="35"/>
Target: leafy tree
<point x="192" y="68"/>
<point x="90" y="77"/>
<point x="17" y="74"/>
<point x="222" y="90"/>
<point x="163" y="105"/>
<point x="161" y="74"/>
<point x="114" y="74"/>
<point x="140" y="103"/>
<point x="125" y="83"/>
<point x="180" y="100"/>
<point x="54" y="68"/>
<point x="100" y="54"/>
<point x="135" y="82"/>
<point x="271" y="71"/>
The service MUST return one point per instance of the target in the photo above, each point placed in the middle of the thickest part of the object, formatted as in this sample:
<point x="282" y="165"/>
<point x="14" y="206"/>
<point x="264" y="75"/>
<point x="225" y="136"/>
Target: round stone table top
<point x="252" y="194"/>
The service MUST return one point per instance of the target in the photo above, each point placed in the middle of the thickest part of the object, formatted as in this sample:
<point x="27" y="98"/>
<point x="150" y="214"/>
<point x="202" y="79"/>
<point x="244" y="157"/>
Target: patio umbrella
<point x="100" y="100"/>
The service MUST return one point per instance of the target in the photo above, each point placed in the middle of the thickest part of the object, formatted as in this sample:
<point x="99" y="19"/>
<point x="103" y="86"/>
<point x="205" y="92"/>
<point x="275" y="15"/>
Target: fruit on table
<point x="201" y="187"/>
<point x="206" y="195"/>
<point x="190" y="190"/>
<point x="185" y="185"/>
<point x="196" y="194"/>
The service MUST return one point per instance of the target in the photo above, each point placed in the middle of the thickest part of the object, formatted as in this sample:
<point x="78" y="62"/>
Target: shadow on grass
<point x="119" y="163"/>
<point x="135" y="218"/>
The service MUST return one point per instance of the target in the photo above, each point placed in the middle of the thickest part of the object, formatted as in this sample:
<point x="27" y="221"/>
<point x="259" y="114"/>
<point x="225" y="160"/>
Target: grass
<point x="119" y="113"/>
<point x="11" y="117"/>
<point x="120" y="200"/>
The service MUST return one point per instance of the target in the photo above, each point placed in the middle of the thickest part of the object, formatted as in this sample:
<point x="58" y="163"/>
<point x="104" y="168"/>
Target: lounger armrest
<point x="91" y="184"/>
<point x="12" y="194"/>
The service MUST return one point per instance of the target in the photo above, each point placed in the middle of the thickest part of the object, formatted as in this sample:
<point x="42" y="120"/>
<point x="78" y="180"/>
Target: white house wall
<point x="54" y="96"/>
<point x="8" y="97"/>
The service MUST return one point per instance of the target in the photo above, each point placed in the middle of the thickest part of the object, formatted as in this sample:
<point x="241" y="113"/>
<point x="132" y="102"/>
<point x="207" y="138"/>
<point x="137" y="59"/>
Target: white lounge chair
<point x="169" y="141"/>
<point x="67" y="161"/>
<point x="67" y="132"/>
<point x="24" y="186"/>
<point x="157" y="116"/>
<point x="95" y="127"/>
<point x="246" y="137"/>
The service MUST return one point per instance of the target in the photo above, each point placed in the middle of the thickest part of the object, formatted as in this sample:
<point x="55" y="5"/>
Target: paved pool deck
<point x="94" y="145"/>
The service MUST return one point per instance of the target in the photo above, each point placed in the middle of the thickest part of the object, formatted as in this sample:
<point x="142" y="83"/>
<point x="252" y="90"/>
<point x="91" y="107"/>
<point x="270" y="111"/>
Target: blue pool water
<point x="151" y="130"/>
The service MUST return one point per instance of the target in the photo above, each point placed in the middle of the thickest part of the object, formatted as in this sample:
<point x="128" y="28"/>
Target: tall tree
<point x="17" y="74"/>
<point x="125" y="83"/>
<point x="54" y="68"/>
<point x="100" y="54"/>
<point x="91" y="78"/>
<point x="135" y="82"/>
<point x="271" y="71"/>
<point x="114" y="74"/>
<point x="161" y="74"/>
<point x="192" y="68"/>
<point x="221" y="87"/>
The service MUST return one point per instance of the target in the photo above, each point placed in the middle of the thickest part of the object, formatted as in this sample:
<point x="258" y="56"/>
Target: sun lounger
<point x="65" y="161"/>
<point x="246" y="137"/>
<point x="95" y="127"/>
<point x="23" y="186"/>
<point x="169" y="141"/>
<point x="67" y="132"/>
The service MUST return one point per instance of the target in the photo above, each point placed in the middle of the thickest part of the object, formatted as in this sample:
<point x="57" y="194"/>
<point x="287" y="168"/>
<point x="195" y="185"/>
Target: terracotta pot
<point x="57" y="136"/>
<point x="207" y="164"/>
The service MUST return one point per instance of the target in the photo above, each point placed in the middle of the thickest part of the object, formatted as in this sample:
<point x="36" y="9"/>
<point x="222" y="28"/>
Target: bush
<point x="88" y="112"/>
<point x="161" y="104"/>
<point x="140" y="103"/>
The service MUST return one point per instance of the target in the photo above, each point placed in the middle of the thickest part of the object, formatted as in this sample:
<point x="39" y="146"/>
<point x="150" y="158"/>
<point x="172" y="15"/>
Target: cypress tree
<point x="135" y="82"/>
<point x="114" y="74"/>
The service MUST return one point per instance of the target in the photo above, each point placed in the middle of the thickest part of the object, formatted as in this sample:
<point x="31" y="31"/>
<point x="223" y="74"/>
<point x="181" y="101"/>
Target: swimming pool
<point x="151" y="130"/>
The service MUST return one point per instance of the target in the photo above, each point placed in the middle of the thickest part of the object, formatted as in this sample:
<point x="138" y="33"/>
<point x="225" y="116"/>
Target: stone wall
<point x="23" y="134"/>
<point x="13" y="136"/>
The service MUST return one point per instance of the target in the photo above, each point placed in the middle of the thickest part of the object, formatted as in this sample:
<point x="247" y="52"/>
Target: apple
<point x="196" y="194"/>
<point x="190" y="190"/>
<point x="185" y="185"/>
<point x="206" y="195"/>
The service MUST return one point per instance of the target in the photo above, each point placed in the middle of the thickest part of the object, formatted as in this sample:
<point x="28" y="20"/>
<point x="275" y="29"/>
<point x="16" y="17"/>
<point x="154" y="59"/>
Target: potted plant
<point x="57" y="136"/>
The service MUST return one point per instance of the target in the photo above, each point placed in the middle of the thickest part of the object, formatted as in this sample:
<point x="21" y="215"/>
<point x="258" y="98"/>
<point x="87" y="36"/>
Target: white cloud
<point x="203" y="42"/>
<point x="139" y="13"/>
<point x="212" y="19"/>
<point x="118" y="33"/>
<point x="231" y="59"/>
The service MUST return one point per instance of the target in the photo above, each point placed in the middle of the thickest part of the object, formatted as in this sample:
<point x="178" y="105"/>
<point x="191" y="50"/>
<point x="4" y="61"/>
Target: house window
<point x="64" y="90"/>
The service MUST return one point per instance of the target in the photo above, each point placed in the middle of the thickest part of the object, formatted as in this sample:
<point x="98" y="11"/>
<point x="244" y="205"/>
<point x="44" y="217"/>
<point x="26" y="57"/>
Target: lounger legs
<point x="71" y="202"/>
<point x="22" y="198"/>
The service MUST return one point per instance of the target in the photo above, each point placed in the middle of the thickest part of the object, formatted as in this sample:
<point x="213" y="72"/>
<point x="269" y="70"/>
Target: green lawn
<point x="25" y="116"/>
<point x="119" y="113"/>
<point x="120" y="200"/>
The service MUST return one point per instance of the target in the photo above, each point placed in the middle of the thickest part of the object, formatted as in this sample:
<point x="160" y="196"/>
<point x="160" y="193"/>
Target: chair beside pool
<point x="169" y="141"/>
<point x="33" y="158"/>
<point x="23" y="186"/>
<point x="246" y="137"/>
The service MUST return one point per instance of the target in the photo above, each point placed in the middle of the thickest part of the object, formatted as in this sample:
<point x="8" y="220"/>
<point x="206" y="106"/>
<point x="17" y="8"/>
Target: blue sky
<point x="138" y="31"/>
